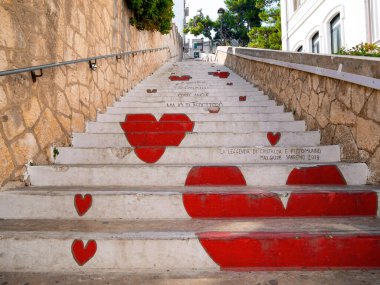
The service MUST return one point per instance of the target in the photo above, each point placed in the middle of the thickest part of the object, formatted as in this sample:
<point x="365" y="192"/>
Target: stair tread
<point x="164" y="229"/>
<point x="174" y="190"/>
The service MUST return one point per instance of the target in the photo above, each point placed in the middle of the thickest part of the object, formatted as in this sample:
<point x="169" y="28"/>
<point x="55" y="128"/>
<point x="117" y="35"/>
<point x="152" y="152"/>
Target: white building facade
<point x="324" y="26"/>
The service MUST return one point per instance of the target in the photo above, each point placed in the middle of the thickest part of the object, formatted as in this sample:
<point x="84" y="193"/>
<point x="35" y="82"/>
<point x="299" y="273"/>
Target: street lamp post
<point x="202" y="44"/>
<point x="221" y="11"/>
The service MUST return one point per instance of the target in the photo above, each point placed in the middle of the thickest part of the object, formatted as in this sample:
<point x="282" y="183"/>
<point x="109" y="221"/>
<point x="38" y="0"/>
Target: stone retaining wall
<point x="346" y="114"/>
<point x="35" y="116"/>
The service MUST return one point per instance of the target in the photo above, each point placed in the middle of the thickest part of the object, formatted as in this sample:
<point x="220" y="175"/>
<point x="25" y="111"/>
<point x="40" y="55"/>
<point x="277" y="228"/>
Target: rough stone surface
<point x="47" y="130"/>
<point x="25" y="148"/>
<point x="46" y="112"/>
<point x="6" y="163"/>
<point x="368" y="134"/>
<point x="13" y="124"/>
<point x="345" y="113"/>
<point x="31" y="111"/>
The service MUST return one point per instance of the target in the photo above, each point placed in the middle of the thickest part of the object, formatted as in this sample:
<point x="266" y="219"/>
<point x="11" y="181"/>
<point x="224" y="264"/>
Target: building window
<point x="300" y="49"/>
<point x="315" y="43"/>
<point x="335" y="31"/>
<point x="375" y="21"/>
<point x="296" y="4"/>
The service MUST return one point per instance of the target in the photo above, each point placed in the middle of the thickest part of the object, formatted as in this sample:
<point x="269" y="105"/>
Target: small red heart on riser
<point x="243" y="98"/>
<point x="214" y="110"/>
<point x="82" y="203"/>
<point x="274" y="138"/>
<point x="180" y="78"/>
<point x="82" y="254"/>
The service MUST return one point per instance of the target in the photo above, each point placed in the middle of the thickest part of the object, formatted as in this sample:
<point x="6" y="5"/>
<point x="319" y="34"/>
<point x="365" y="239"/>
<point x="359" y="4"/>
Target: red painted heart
<point x="215" y="176"/>
<point x="180" y="78"/>
<point x="274" y="138"/>
<point x="82" y="203"/>
<point x="82" y="254"/>
<point x="316" y="175"/>
<point x="243" y="98"/>
<point x="150" y="138"/>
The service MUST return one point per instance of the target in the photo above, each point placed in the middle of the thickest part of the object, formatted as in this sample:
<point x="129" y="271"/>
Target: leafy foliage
<point x="152" y="15"/>
<point x="200" y="25"/>
<point x="256" y="23"/>
<point x="363" y="49"/>
<point x="267" y="36"/>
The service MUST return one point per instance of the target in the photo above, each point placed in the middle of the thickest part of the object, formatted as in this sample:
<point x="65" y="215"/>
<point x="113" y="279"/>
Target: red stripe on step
<point x="155" y="139"/>
<point x="292" y="251"/>
<point x="215" y="176"/>
<point x="151" y="154"/>
<point x="270" y="205"/>
<point x="319" y="175"/>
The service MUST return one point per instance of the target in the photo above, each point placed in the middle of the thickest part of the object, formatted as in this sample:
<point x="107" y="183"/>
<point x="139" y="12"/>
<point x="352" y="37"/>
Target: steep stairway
<point x="193" y="170"/>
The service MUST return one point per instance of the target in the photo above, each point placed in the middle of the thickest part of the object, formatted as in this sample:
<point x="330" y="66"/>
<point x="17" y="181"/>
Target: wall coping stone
<point x="354" y="69"/>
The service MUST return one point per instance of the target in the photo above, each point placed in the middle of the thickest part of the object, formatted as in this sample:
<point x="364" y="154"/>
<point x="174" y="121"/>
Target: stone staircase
<point x="192" y="170"/>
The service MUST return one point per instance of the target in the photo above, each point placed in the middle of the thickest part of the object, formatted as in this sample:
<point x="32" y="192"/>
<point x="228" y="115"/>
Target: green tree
<point x="245" y="11"/>
<point x="152" y="15"/>
<point x="200" y="25"/>
<point x="267" y="36"/>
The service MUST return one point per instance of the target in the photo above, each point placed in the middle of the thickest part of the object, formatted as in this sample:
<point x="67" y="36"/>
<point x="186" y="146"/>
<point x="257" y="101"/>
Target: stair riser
<point x="265" y="175"/>
<point x="203" y="127"/>
<point x="160" y="206"/>
<point x="126" y="255"/>
<point x="179" y="99"/>
<point x="114" y="118"/>
<point x="208" y="104"/>
<point x="199" y="156"/>
<point x="197" y="110"/>
<point x="300" y="139"/>
<point x="221" y="94"/>
<point x="229" y="250"/>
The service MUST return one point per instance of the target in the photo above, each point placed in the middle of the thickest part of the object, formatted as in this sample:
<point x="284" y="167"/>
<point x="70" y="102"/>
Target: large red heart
<point x="316" y="175"/>
<point x="82" y="254"/>
<point x="215" y="176"/>
<point x="82" y="203"/>
<point x="150" y="138"/>
<point x="273" y="138"/>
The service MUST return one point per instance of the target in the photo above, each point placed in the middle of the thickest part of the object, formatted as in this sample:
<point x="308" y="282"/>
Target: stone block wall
<point x="346" y="114"/>
<point x="35" y="116"/>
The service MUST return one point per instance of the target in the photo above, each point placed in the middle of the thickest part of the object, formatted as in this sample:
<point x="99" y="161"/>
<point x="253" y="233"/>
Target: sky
<point x="209" y="7"/>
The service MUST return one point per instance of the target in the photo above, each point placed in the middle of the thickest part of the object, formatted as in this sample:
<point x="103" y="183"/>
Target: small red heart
<point x="82" y="254"/>
<point x="150" y="138"/>
<point x="214" y="110"/>
<point x="274" y="138"/>
<point x="242" y="98"/>
<point x="82" y="203"/>
<point x="180" y="78"/>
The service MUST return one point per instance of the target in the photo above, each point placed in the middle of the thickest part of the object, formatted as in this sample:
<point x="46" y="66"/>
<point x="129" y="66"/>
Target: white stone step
<point x="352" y="277"/>
<point x="156" y="203"/>
<point x="173" y="175"/>
<point x="205" y="127"/>
<point x="205" y="99"/>
<point x="196" y="110"/>
<point x="209" y="103"/>
<point x="222" y="94"/>
<point x="197" y="155"/>
<point x="294" y="139"/>
<point x="157" y="246"/>
<point x="285" y="117"/>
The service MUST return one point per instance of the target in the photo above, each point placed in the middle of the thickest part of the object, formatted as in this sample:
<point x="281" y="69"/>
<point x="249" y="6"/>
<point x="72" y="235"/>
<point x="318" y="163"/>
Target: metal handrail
<point x="88" y="59"/>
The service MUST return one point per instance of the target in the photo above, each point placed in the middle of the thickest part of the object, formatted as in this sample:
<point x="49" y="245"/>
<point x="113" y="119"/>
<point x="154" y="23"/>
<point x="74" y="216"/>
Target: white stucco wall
<point x="315" y="15"/>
